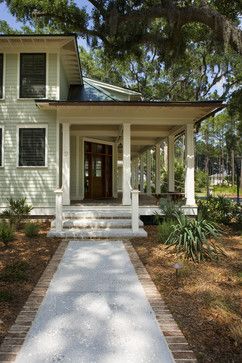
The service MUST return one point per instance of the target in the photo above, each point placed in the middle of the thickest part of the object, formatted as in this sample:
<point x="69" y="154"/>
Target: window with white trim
<point x="32" y="146"/>
<point x="32" y="75"/>
<point x="1" y="146"/>
<point x="1" y="75"/>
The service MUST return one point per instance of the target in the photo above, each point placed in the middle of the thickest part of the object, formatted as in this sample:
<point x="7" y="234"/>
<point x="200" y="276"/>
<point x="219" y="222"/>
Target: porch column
<point x="157" y="169"/>
<point x="66" y="163"/>
<point x="141" y="181"/>
<point x="115" y="170"/>
<point x="189" y="178"/>
<point x="171" y="157"/>
<point x="165" y="154"/>
<point x="126" y="165"/>
<point x="148" y="172"/>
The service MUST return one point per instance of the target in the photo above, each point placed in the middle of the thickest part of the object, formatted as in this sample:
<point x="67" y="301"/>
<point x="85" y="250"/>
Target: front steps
<point x="97" y="223"/>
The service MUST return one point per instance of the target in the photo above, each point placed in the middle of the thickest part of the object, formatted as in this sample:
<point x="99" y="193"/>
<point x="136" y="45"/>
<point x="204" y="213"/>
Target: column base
<point x="190" y="210"/>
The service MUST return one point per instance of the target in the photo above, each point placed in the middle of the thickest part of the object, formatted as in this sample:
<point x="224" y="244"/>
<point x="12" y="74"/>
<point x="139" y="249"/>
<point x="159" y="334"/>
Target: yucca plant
<point x="192" y="239"/>
<point x="18" y="210"/>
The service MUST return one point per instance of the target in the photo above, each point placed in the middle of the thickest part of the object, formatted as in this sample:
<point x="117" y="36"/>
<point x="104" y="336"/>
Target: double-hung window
<point x="1" y="75"/>
<point x="32" y="146"/>
<point x="32" y="75"/>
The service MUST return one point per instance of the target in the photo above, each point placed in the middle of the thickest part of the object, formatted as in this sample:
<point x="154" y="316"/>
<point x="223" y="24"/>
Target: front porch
<point x="110" y="155"/>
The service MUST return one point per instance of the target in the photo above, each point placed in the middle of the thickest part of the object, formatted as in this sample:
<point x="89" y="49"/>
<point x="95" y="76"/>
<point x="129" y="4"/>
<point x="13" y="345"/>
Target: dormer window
<point x="32" y="75"/>
<point x="1" y="75"/>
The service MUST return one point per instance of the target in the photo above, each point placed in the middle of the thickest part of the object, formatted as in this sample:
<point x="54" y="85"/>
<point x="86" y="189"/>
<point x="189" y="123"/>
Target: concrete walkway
<point x="95" y="311"/>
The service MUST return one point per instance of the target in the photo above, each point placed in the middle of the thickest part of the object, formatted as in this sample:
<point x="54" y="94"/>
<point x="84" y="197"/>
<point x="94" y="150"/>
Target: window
<point x="32" y="75"/>
<point x="32" y="146"/>
<point x="1" y="146"/>
<point x="1" y="75"/>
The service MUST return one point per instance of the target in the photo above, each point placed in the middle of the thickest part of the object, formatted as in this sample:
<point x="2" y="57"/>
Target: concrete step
<point x="97" y="214"/>
<point x="97" y="223"/>
<point x="98" y="233"/>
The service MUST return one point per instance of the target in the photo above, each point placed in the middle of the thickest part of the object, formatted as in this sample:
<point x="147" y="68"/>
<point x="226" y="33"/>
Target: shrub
<point x="220" y="209"/>
<point x="15" y="272"/>
<point x="6" y="233"/>
<point x="170" y="209"/>
<point x="165" y="229"/>
<point x="190" y="239"/>
<point x="18" y="209"/>
<point x="31" y="230"/>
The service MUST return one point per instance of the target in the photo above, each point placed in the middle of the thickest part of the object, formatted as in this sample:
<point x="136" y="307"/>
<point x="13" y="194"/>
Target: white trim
<point x="77" y="166"/>
<point x="33" y="126"/>
<point x="46" y="77"/>
<point x="3" y="144"/>
<point x="57" y="154"/>
<point x="58" y="86"/>
<point x="4" y="77"/>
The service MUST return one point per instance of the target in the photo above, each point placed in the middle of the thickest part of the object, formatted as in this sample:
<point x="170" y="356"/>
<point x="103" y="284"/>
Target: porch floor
<point x="144" y="200"/>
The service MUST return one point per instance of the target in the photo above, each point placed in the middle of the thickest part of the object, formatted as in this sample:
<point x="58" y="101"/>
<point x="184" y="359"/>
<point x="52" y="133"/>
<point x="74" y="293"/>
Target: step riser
<point x="113" y="233"/>
<point x="96" y="215"/>
<point x="80" y="223"/>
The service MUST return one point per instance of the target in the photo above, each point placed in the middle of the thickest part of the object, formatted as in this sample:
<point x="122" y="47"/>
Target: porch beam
<point x="126" y="164"/>
<point x="171" y="156"/>
<point x="66" y="163"/>
<point x="157" y="169"/>
<point x="189" y="177"/>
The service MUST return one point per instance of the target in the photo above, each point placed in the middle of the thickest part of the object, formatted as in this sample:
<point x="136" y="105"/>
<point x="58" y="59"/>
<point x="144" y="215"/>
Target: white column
<point x="148" y="172"/>
<point x="171" y="160"/>
<point x="157" y="169"/>
<point x="66" y="164"/>
<point x="58" y="210"/>
<point x="115" y="170"/>
<point x="189" y="178"/>
<point x="126" y="165"/>
<point x="141" y="182"/>
<point x="135" y="210"/>
<point x="165" y="154"/>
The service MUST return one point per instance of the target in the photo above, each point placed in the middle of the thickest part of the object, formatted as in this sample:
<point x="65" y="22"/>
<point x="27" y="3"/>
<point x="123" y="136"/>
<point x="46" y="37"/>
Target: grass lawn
<point x="21" y="264"/>
<point x="206" y="300"/>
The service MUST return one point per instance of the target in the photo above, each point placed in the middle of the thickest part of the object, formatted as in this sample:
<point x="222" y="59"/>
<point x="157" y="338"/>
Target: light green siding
<point x="64" y="85"/>
<point x="37" y="184"/>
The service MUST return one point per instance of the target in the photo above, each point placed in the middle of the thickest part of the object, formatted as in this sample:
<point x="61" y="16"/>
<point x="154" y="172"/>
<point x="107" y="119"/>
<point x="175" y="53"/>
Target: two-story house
<point x="59" y="130"/>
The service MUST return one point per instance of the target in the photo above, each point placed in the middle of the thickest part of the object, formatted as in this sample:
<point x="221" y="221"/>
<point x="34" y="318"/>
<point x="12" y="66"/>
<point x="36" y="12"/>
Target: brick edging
<point x="175" y="339"/>
<point x="18" y="331"/>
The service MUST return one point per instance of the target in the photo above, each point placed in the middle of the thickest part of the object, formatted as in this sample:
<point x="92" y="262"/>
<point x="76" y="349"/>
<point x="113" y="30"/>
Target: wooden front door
<point x="98" y="170"/>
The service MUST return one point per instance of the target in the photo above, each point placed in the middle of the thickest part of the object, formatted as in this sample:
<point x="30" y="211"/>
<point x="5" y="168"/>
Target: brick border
<point x="18" y="331"/>
<point x="175" y="339"/>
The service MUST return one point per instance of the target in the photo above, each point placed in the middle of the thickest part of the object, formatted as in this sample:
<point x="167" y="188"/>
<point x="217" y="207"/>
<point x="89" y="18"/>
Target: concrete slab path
<point x="95" y="311"/>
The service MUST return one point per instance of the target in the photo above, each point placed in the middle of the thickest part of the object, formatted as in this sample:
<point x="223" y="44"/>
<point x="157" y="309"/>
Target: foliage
<point x="6" y="296"/>
<point x="165" y="229"/>
<point x="170" y="209"/>
<point x="220" y="209"/>
<point x="14" y="272"/>
<point x="6" y="233"/>
<point x="200" y="180"/>
<point x="18" y="209"/>
<point x="190" y="239"/>
<point x="31" y="230"/>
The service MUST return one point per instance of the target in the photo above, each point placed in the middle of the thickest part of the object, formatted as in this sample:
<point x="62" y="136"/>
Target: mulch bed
<point x="22" y="263"/>
<point x="206" y="298"/>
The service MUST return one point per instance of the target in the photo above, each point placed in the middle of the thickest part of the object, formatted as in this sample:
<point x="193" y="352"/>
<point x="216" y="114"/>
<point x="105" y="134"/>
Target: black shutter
<point x="1" y="146"/>
<point x="1" y="75"/>
<point x="33" y="75"/>
<point x="32" y="147"/>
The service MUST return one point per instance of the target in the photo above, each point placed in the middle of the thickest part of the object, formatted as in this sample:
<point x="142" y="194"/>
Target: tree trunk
<point x="232" y="166"/>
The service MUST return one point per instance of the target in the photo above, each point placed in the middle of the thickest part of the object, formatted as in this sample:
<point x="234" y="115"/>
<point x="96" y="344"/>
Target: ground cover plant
<point x="21" y="265"/>
<point x="206" y="300"/>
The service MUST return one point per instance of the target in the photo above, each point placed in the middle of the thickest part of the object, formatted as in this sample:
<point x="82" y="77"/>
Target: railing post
<point x="58" y="209"/>
<point x="135" y="210"/>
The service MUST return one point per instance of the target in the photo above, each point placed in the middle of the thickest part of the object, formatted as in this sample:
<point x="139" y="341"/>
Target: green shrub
<point x="170" y="209"/>
<point x="220" y="209"/>
<point x="17" y="271"/>
<point x="190" y="239"/>
<point x="165" y="229"/>
<point x="6" y="296"/>
<point x="6" y="233"/>
<point x="18" y="210"/>
<point x="31" y="230"/>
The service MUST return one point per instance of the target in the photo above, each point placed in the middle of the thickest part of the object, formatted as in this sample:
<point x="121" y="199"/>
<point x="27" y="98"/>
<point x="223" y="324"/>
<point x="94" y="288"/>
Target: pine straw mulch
<point x="22" y="263"/>
<point x="206" y="300"/>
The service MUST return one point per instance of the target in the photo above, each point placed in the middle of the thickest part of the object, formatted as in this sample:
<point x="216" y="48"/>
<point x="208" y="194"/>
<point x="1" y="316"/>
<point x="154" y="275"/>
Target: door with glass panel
<point x="98" y="170"/>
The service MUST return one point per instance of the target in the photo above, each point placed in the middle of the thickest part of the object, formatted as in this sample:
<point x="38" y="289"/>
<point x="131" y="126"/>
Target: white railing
<point x="58" y="209"/>
<point x="135" y="210"/>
